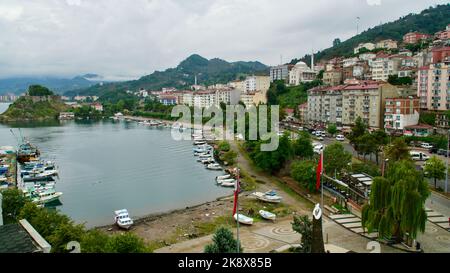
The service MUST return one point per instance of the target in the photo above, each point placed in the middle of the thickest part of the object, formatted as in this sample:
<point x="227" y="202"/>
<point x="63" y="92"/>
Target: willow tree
<point x="397" y="203"/>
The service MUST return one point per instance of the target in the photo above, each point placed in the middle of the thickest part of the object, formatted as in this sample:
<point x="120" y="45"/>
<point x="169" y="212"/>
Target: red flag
<point x="319" y="171"/>
<point x="236" y="194"/>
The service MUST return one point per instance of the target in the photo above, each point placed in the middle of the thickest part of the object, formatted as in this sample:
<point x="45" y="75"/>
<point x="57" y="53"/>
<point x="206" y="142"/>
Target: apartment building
<point x="415" y="37"/>
<point x="366" y="100"/>
<point x="301" y="73"/>
<point x="387" y="44"/>
<point x="239" y="85"/>
<point x="333" y="77"/>
<point x="383" y="67"/>
<point x="343" y="104"/>
<point x="257" y="83"/>
<point x="280" y="72"/>
<point x="325" y="105"/>
<point x="369" y="46"/>
<point x="251" y="99"/>
<point x="303" y="113"/>
<point x="401" y="112"/>
<point x="434" y="86"/>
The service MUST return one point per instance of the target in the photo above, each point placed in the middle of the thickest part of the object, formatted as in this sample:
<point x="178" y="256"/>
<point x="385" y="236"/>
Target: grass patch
<point x="209" y="227"/>
<point x="251" y="208"/>
<point x="248" y="182"/>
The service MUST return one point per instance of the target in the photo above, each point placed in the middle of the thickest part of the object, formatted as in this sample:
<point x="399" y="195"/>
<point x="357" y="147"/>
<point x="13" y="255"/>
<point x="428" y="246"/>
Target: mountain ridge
<point x="208" y="72"/>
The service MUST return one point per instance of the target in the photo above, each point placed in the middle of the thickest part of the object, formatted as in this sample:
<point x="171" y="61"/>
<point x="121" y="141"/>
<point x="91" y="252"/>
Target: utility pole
<point x="446" y="159"/>
<point x="357" y="24"/>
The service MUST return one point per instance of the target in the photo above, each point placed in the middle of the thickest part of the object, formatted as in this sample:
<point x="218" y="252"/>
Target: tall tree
<point x="397" y="150"/>
<point x="303" y="226"/>
<point x="223" y="242"/>
<point x="332" y="129"/>
<point x="304" y="172"/>
<point x="358" y="131"/>
<point x="336" y="158"/>
<point x="397" y="203"/>
<point x="303" y="146"/>
<point x="435" y="168"/>
<point x="13" y="202"/>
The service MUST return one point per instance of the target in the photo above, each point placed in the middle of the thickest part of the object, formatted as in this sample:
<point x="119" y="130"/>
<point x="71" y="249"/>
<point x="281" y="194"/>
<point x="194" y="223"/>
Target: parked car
<point x="434" y="150"/>
<point x="340" y="138"/>
<point x="419" y="156"/>
<point x="443" y="152"/>
<point x="426" y="145"/>
<point x="320" y="138"/>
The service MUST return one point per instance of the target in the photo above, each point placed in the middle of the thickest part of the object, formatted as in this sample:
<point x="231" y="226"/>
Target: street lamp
<point x="446" y="159"/>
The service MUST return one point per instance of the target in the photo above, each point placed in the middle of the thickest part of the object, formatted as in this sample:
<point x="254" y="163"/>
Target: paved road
<point x="439" y="203"/>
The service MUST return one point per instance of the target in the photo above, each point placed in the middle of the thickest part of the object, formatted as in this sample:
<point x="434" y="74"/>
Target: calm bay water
<point x="106" y="166"/>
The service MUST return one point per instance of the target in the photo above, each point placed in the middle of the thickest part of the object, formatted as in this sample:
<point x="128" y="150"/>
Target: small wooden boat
<point x="243" y="219"/>
<point x="223" y="177"/>
<point x="214" y="167"/>
<point x="220" y="181"/>
<point x="267" y="198"/>
<point x="267" y="215"/>
<point x="228" y="184"/>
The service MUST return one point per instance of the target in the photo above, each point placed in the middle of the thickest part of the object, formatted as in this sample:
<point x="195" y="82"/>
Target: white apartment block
<point x="383" y="67"/>
<point x="369" y="46"/>
<point x="257" y="83"/>
<point x="210" y="98"/>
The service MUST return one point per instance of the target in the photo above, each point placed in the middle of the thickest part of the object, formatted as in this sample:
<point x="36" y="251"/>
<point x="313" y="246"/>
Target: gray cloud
<point x="128" y="39"/>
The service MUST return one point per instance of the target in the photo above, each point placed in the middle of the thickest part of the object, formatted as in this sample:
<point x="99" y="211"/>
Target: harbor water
<point x="105" y="166"/>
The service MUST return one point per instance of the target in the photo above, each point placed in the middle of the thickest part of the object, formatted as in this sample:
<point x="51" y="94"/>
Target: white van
<point x="419" y="156"/>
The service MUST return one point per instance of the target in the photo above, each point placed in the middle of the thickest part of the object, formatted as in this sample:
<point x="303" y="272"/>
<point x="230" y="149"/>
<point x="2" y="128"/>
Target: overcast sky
<point x="122" y="39"/>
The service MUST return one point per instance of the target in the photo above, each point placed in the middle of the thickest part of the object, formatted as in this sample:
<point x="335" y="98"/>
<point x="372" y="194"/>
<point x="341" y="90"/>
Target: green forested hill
<point x="428" y="21"/>
<point x="41" y="104"/>
<point x="207" y="72"/>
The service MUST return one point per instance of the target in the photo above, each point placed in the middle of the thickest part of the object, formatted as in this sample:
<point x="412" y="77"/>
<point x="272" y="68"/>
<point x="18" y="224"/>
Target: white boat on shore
<point x="214" y="167"/>
<point x="267" y="215"/>
<point x="243" y="219"/>
<point x="269" y="198"/>
<point x="122" y="219"/>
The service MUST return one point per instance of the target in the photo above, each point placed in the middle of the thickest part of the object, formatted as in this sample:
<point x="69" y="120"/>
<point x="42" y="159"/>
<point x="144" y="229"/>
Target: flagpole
<point x="321" y="185"/>
<point x="237" y="208"/>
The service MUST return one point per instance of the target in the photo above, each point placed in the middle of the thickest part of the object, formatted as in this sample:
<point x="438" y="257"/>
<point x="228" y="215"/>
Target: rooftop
<point x="21" y="238"/>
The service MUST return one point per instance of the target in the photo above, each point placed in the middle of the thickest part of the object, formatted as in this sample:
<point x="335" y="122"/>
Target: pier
<point x="8" y="157"/>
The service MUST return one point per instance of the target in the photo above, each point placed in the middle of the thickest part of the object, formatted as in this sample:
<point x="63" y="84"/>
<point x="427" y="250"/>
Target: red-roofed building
<point x="401" y="112"/>
<point x="440" y="54"/>
<point x="415" y="37"/>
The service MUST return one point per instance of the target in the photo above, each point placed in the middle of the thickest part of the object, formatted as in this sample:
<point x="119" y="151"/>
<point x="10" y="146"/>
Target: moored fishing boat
<point x="44" y="176"/>
<point x="27" y="152"/>
<point x="45" y="197"/>
<point x="122" y="219"/>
